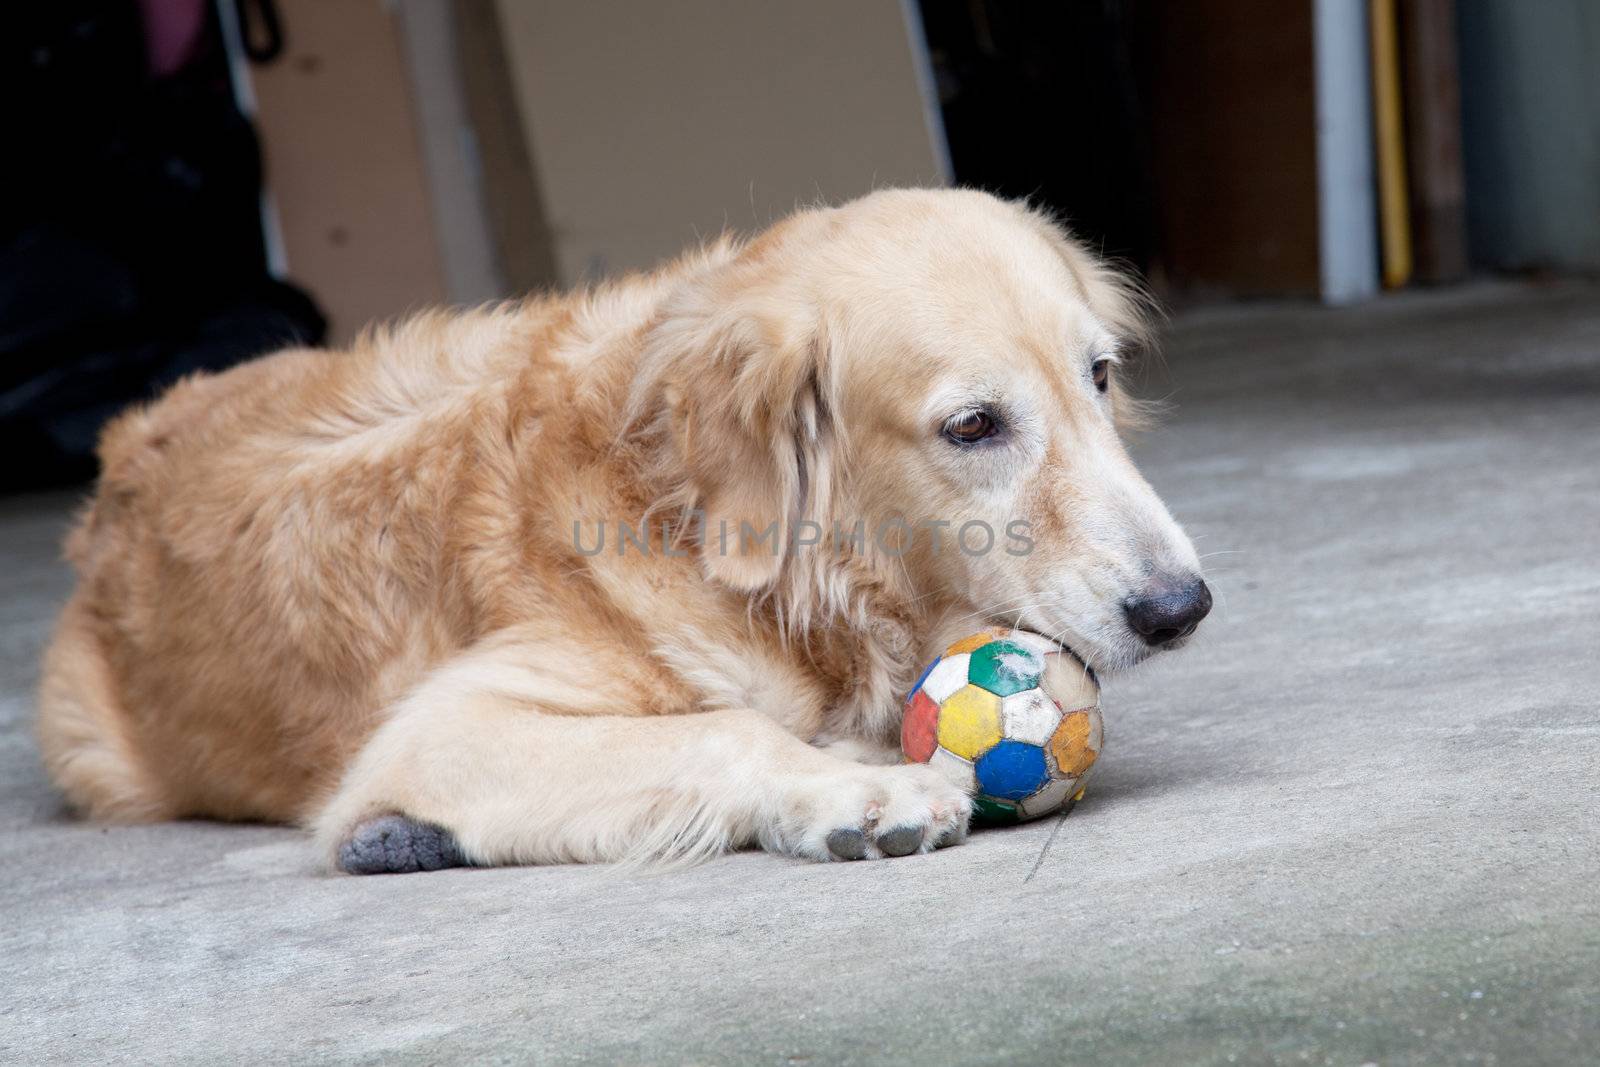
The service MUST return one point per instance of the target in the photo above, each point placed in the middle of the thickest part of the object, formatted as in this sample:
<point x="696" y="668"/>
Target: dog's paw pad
<point x="900" y="841"/>
<point x="848" y="845"/>
<point x="394" y="844"/>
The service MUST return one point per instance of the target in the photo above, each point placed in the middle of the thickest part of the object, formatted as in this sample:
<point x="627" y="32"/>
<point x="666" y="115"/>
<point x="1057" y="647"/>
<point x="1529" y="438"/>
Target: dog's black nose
<point x="1168" y="612"/>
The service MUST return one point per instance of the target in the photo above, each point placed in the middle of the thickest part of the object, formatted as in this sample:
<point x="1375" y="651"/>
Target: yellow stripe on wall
<point x="1394" y="209"/>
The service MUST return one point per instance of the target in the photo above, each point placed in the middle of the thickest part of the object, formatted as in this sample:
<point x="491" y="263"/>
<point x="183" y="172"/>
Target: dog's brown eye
<point x="1102" y="374"/>
<point x="971" y="427"/>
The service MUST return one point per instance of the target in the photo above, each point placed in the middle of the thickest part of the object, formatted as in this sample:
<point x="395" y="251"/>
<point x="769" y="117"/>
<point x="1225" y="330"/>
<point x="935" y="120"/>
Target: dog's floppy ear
<point x="742" y="381"/>
<point x="1114" y="297"/>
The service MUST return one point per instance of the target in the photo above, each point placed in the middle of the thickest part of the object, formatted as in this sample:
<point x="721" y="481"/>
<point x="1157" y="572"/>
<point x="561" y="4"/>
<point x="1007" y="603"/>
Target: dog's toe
<point x="848" y="844"/>
<point x="394" y="844"/>
<point x="954" y="835"/>
<point x="900" y="841"/>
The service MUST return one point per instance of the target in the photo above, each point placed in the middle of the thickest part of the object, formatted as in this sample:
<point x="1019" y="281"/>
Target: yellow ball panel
<point x="969" y="722"/>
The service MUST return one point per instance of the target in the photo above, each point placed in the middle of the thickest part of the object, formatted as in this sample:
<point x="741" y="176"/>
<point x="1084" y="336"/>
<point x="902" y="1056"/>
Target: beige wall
<point x="653" y="124"/>
<point x="344" y="165"/>
<point x="648" y="126"/>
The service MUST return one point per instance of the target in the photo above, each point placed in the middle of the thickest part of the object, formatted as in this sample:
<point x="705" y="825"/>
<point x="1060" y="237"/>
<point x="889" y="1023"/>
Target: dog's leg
<point x="857" y="750"/>
<point x="472" y="768"/>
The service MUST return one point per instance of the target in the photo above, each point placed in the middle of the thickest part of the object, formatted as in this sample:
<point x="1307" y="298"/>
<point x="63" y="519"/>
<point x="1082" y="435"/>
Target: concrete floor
<point x="1358" y="823"/>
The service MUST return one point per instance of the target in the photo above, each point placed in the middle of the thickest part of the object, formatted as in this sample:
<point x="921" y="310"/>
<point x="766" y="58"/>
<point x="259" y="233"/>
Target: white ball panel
<point x="1029" y="716"/>
<point x="1051" y="797"/>
<point x="947" y="678"/>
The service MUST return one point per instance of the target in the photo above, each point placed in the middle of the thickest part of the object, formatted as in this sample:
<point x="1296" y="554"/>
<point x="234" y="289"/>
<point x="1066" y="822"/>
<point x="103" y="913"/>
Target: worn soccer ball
<point x="1012" y="718"/>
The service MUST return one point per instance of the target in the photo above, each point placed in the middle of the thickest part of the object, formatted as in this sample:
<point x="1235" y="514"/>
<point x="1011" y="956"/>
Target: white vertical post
<point x="449" y="151"/>
<point x="928" y="89"/>
<point x="1346" y="198"/>
<point x="244" y="98"/>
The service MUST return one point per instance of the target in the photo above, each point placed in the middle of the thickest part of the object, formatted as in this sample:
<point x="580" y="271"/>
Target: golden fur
<point x="327" y="585"/>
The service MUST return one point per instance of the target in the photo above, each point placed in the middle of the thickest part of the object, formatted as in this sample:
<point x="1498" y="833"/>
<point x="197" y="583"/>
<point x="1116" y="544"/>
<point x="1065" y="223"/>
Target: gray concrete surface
<point x="1357" y="823"/>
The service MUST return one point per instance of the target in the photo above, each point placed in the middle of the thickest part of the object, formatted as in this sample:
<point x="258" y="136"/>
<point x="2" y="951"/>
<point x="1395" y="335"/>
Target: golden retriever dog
<point x="545" y="582"/>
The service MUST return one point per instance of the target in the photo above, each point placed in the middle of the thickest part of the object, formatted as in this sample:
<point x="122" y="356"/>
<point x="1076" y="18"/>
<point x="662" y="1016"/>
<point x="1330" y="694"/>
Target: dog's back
<point x="269" y="537"/>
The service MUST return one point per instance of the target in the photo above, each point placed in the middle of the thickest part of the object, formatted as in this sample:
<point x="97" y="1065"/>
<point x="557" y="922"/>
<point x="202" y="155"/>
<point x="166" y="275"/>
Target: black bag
<point x="131" y="249"/>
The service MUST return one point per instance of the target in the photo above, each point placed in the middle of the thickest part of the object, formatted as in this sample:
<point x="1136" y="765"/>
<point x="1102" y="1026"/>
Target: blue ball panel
<point x="1012" y="770"/>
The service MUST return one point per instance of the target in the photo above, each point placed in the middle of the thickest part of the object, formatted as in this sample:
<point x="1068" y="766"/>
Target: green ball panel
<point x="1004" y="668"/>
<point x="995" y="812"/>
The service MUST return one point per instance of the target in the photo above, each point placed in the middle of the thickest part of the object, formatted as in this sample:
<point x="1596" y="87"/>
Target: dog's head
<point x="927" y="384"/>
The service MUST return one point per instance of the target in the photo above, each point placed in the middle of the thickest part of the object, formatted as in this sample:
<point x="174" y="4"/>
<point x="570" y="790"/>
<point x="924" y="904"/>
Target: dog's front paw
<point x="870" y="813"/>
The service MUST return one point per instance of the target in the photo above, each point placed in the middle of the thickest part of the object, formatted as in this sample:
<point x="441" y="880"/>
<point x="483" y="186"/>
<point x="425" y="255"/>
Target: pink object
<point x="172" y="29"/>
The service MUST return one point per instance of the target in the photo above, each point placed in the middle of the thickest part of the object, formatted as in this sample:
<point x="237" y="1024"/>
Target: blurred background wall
<point x="341" y="136"/>
<point x="431" y="150"/>
<point x="198" y="181"/>
<point x="463" y="149"/>
<point x="652" y="125"/>
<point x="1530" y="88"/>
